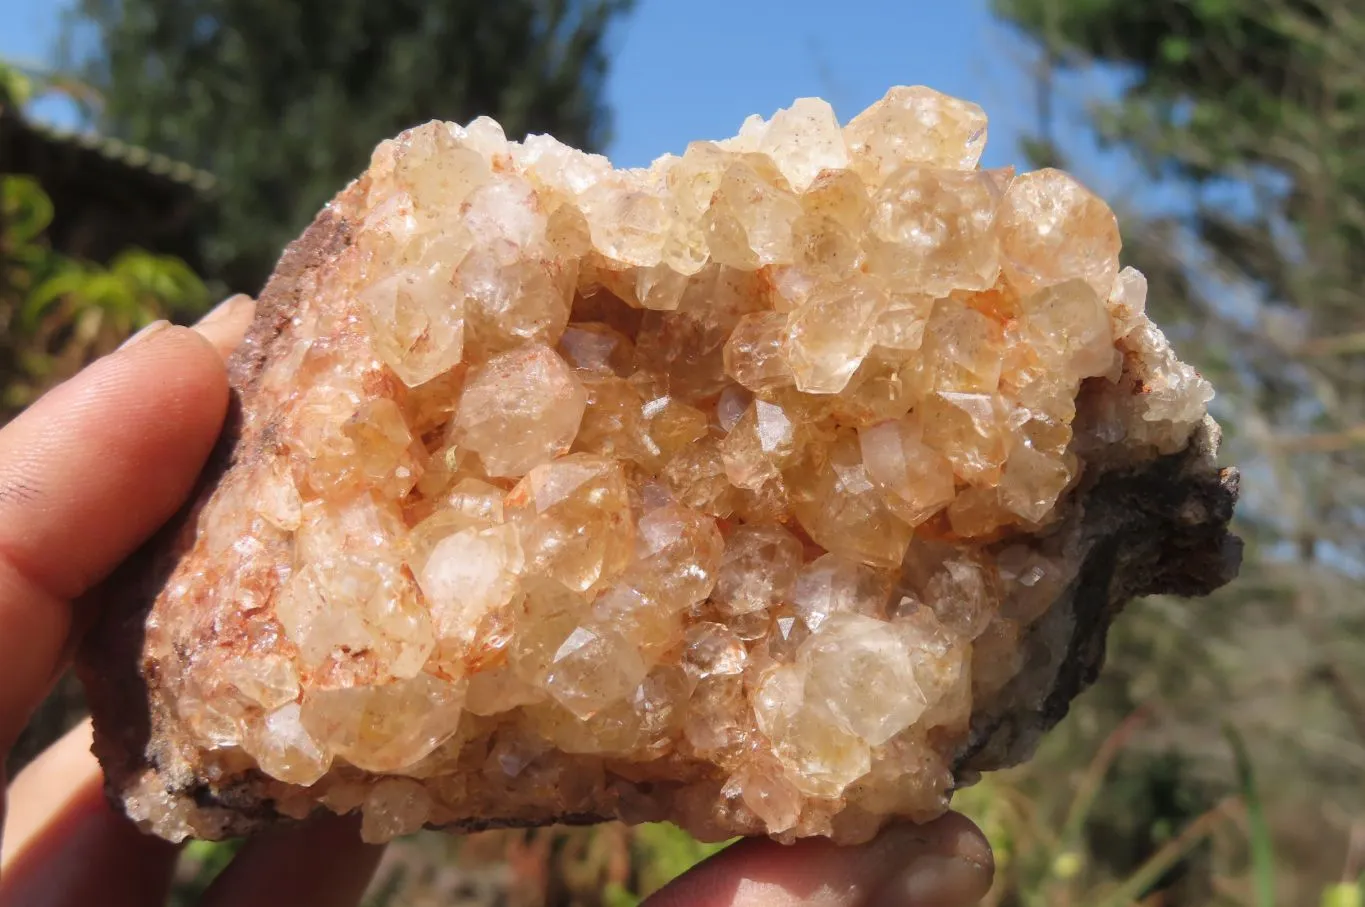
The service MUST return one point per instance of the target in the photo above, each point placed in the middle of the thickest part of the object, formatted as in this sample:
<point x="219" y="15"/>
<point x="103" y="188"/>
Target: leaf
<point x="110" y="293"/>
<point x="616" y="895"/>
<point x="1214" y="10"/>
<point x="70" y="280"/>
<point x="1262" y="847"/>
<point x="1344" y="894"/>
<point x="15" y="88"/>
<point x="164" y="283"/>
<point x="1175" y="49"/>
<point x="25" y="208"/>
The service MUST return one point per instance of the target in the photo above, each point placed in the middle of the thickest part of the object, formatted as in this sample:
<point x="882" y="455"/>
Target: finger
<point x="946" y="863"/>
<point x="86" y="474"/>
<point x="322" y="863"/>
<point x="225" y="326"/>
<point x="64" y="847"/>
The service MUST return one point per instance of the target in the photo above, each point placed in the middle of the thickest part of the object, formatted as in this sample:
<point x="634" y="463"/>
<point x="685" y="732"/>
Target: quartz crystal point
<point x="778" y="488"/>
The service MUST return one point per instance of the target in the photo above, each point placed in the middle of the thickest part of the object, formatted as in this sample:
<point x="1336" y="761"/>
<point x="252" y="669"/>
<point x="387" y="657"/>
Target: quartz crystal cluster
<point x="726" y="491"/>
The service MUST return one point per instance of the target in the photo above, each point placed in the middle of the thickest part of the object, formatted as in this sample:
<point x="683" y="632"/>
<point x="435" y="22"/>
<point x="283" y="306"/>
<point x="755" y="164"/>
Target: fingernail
<point x="930" y="880"/>
<point x="226" y="309"/>
<point x="156" y="327"/>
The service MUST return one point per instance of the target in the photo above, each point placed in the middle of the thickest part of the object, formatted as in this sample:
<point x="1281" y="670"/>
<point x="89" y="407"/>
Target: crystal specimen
<point x="778" y="488"/>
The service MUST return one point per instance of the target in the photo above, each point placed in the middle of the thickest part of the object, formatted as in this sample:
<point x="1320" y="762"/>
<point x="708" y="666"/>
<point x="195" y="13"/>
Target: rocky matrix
<point x="736" y="491"/>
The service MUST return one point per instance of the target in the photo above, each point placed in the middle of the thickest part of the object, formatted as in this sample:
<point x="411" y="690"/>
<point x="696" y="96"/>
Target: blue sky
<point x="689" y="69"/>
<point x="695" y="69"/>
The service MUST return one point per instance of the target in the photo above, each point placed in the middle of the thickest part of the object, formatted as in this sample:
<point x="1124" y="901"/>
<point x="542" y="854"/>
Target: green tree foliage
<point x="1249" y="114"/>
<point x="1255" y="108"/>
<point x="15" y="87"/>
<point x="283" y="101"/>
<point x="59" y="313"/>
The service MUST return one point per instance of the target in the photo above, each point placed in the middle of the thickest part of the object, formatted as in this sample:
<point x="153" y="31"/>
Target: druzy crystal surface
<point x="733" y="491"/>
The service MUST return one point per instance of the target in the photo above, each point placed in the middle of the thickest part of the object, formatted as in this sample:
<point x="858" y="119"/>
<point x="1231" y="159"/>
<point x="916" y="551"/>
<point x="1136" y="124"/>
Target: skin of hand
<point x="90" y="471"/>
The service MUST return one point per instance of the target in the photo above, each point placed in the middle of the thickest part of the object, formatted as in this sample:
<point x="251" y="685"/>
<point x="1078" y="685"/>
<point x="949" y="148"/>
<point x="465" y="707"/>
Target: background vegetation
<point x="57" y="312"/>
<point x="1220" y="759"/>
<point x="1245" y="117"/>
<point x="283" y="102"/>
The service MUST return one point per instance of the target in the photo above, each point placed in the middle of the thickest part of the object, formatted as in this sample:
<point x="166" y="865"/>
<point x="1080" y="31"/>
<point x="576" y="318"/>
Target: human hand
<point x="86" y="475"/>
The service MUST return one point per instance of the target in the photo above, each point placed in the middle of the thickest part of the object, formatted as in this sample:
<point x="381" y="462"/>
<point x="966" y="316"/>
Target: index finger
<point x="86" y="474"/>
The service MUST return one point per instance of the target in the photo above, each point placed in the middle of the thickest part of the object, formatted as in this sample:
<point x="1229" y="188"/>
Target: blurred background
<point x="156" y="155"/>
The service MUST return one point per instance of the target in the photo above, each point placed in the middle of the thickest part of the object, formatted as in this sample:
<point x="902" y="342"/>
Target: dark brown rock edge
<point x="1160" y="529"/>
